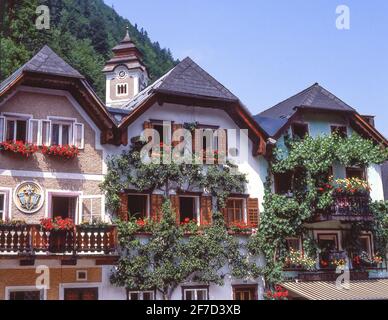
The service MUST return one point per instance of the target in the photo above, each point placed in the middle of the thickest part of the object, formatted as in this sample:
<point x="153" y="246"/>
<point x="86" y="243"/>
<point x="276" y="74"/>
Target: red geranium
<point x="58" y="223"/>
<point x="25" y="149"/>
<point x="65" y="151"/>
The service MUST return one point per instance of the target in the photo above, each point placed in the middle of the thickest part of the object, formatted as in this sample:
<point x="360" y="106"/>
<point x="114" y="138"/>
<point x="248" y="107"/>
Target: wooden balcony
<point x="347" y="208"/>
<point x="331" y="275"/>
<point x="31" y="240"/>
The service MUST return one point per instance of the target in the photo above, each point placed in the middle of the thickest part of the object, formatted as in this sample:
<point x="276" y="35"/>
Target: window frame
<point x="10" y="289"/>
<point x="141" y="294"/>
<point x="61" y="124"/>
<point x="244" y="210"/>
<point x="253" y="287"/>
<point x="197" y="206"/>
<point x="118" y="85"/>
<point x="15" y="118"/>
<point x="334" y="126"/>
<point x="362" y="170"/>
<point x="3" y="212"/>
<point x="148" y="202"/>
<point x="369" y="236"/>
<point x="195" y="289"/>
<point x="307" y="126"/>
<point x="300" y="242"/>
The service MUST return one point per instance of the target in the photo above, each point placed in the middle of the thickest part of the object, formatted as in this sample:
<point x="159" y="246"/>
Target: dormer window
<point x="122" y="89"/>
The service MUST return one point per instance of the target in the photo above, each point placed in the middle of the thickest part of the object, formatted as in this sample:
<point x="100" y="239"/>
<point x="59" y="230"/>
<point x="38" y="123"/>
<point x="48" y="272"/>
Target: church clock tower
<point x="125" y="73"/>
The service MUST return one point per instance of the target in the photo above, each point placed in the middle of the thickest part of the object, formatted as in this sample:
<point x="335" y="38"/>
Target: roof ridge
<point x="293" y="96"/>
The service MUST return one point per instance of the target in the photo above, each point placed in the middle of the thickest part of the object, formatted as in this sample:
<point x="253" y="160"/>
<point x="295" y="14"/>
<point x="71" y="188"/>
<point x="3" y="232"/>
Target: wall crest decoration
<point x="29" y="197"/>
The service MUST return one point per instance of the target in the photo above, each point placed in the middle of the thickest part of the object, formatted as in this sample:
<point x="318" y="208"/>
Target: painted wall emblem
<point x="28" y="197"/>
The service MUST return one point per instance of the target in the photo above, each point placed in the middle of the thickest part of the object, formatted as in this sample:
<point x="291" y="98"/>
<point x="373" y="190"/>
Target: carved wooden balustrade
<point x="31" y="239"/>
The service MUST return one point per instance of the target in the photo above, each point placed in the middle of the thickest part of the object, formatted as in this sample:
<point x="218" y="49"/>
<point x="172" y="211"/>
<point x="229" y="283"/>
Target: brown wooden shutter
<point x="156" y="207"/>
<point x="123" y="209"/>
<point x="176" y="207"/>
<point x="197" y="142"/>
<point x="176" y="126"/>
<point x="253" y="211"/>
<point x="147" y="125"/>
<point x="206" y="210"/>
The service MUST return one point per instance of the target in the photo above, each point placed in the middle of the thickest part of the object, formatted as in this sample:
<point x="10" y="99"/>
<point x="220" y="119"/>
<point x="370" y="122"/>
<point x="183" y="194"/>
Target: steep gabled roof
<point x="312" y="97"/>
<point x="47" y="70"/>
<point x="315" y="98"/>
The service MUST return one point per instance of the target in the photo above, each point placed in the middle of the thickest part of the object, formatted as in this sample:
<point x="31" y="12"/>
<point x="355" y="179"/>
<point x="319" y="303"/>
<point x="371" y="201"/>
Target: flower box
<point x="19" y="147"/>
<point x="65" y="151"/>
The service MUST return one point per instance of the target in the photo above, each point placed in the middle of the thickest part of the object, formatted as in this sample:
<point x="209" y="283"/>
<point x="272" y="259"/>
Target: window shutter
<point x="2" y="129"/>
<point x="222" y="141"/>
<point x="147" y="125"/>
<point x="253" y="212"/>
<point x="123" y="209"/>
<point x="46" y="132"/>
<point x="79" y="132"/>
<point x="206" y="210"/>
<point x="34" y="135"/>
<point x="175" y="127"/>
<point x="156" y="207"/>
<point x="197" y="143"/>
<point x="176" y="207"/>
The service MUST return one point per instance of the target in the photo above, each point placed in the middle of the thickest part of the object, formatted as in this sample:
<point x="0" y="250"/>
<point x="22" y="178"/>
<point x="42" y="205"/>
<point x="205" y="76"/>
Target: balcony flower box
<point x="19" y="147"/>
<point x="61" y="232"/>
<point x="64" y="152"/>
<point x="241" y="228"/>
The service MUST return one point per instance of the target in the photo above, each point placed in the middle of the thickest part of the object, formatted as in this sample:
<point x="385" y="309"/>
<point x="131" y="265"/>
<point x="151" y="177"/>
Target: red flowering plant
<point x="241" y="227"/>
<point x="57" y="224"/>
<point x="348" y="186"/>
<point x="363" y="260"/>
<point x="189" y="226"/>
<point x="278" y="294"/>
<point x="25" y="149"/>
<point x="65" y="151"/>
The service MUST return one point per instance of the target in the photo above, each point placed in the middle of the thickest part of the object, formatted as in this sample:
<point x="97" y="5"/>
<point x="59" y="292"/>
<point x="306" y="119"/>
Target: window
<point x="235" y="211"/>
<point x="340" y="130"/>
<point x="22" y="294"/>
<point x="328" y="243"/>
<point x="137" y="206"/>
<point x="141" y="295"/>
<point x="160" y="130"/>
<point x="195" y="293"/>
<point x="81" y="293"/>
<point x="2" y="206"/>
<point x="293" y="243"/>
<point x="64" y="207"/>
<point x="300" y="130"/>
<point x="82" y="275"/>
<point x="283" y="182"/>
<point x="2" y="128"/>
<point x="245" y="292"/>
<point x="16" y="130"/>
<point x="355" y="173"/>
<point x="61" y="133"/>
<point x="122" y="89"/>
<point x="187" y="208"/>
<point x="366" y="244"/>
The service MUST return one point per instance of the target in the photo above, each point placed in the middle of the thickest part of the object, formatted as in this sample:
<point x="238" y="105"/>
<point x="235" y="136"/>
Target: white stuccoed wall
<point x="375" y="181"/>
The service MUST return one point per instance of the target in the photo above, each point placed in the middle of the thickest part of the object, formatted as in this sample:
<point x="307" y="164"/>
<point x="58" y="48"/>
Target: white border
<point x="51" y="175"/>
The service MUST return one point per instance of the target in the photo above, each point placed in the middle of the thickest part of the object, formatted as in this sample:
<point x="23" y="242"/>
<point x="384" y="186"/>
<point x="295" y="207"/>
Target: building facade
<point x="46" y="104"/>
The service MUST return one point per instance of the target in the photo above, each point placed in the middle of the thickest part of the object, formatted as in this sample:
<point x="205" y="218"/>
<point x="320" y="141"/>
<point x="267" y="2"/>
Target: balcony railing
<point x="347" y="208"/>
<point x="31" y="239"/>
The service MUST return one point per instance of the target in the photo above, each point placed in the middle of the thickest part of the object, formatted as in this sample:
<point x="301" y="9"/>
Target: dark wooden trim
<point x="329" y="234"/>
<point x="245" y="286"/>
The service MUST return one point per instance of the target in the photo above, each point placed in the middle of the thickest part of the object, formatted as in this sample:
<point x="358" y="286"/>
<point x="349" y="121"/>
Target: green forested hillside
<point x="82" y="32"/>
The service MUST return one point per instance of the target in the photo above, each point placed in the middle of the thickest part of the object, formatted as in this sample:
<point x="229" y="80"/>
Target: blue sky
<point x="266" y="51"/>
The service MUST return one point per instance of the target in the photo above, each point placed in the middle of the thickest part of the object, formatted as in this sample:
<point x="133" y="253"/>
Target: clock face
<point x="122" y="74"/>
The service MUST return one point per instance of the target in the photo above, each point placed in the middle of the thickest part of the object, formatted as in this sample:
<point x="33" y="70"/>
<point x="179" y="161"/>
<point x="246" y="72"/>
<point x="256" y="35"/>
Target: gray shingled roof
<point x="45" y="61"/>
<point x="273" y="119"/>
<point x="312" y="97"/>
<point x="186" y="78"/>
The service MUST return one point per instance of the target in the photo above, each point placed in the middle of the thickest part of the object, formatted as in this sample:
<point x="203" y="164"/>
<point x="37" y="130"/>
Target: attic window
<point x="300" y="130"/>
<point x="340" y="130"/>
<point x="122" y="89"/>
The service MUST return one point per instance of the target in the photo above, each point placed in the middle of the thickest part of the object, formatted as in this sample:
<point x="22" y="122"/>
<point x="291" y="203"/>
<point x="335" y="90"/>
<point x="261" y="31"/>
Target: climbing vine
<point x="308" y="162"/>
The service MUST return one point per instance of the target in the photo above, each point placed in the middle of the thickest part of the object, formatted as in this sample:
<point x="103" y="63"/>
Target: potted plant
<point x="190" y="226"/>
<point x="60" y="233"/>
<point x="241" y="227"/>
<point x="297" y="259"/>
